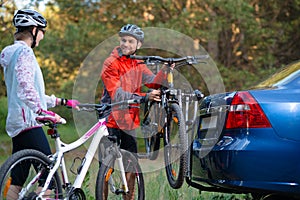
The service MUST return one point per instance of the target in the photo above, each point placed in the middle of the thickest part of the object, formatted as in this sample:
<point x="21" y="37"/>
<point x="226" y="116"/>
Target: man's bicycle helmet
<point x="27" y="17"/>
<point x="132" y="30"/>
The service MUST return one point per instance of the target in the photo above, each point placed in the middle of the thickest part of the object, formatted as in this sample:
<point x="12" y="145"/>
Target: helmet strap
<point x="134" y="52"/>
<point x="136" y="48"/>
<point x="34" y="37"/>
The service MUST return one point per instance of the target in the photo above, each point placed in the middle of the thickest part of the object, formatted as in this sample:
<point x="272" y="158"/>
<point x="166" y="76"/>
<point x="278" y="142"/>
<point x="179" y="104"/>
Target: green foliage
<point x="6" y="35"/>
<point x="86" y="186"/>
<point x="3" y="114"/>
<point x="246" y="38"/>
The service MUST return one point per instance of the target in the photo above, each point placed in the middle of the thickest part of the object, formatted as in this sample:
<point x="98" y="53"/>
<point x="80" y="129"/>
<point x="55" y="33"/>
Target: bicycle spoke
<point x="30" y="166"/>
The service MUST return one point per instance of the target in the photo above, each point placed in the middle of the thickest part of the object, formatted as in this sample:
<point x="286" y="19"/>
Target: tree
<point x="248" y="39"/>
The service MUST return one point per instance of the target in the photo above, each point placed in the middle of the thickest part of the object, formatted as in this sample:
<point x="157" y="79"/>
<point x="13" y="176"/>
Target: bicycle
<point x="43" y="178"/>
<point x="171" y="125"/>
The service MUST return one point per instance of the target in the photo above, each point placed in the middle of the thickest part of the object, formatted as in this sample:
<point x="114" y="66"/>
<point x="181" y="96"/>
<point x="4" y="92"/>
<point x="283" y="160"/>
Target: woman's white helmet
<point x="27" y="17"/>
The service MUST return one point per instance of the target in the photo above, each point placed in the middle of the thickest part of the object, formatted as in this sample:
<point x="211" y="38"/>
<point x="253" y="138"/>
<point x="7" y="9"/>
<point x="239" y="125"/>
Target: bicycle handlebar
<point x="188" y="59"/>
<point x="100" y="108"/>
<point x="105" y="106"/>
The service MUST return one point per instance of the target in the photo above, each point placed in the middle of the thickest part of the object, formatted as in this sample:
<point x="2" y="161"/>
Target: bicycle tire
<point x="39" y="163"/>
<point x="109" y="177"/>
<point x="150" y="129"/>
<point x="176" y="145"/>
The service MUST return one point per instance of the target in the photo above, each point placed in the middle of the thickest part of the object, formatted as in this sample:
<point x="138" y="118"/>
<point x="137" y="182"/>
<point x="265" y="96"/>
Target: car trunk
<point x="213" y="111"/>
<point x="211" y="123"/>
<point x="282" y="109"/>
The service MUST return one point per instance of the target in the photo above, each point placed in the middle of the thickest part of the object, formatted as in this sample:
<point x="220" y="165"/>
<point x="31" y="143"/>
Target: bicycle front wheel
<point x="109" y="183"/>
<point x="176" y="145"/>
<point x="23" y="175"/>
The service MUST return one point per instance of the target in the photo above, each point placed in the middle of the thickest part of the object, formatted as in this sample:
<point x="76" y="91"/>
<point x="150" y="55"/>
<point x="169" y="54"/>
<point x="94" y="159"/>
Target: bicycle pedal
<point x="119" y="191"/>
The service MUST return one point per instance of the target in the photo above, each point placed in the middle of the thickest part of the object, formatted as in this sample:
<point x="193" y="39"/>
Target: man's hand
<point x="154" y="95"/>
<point x="166" y="66"/>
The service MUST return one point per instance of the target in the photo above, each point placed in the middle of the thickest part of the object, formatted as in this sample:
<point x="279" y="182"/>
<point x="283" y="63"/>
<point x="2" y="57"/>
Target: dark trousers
<point x="126" y="140"/>
<point x="30" y="139"/>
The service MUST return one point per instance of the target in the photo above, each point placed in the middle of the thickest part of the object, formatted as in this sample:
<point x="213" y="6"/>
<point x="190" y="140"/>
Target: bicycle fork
<point x="122" y="170"/>
<point x="119" y="160"/>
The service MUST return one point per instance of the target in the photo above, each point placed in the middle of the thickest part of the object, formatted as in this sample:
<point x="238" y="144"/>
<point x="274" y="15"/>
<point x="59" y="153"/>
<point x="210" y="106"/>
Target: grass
<point x="156" y="184"/>
<point x="157" y="188"/>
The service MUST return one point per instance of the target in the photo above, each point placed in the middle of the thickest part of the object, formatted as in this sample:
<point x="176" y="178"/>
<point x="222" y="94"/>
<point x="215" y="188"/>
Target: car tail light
<point x="245" y="112"/>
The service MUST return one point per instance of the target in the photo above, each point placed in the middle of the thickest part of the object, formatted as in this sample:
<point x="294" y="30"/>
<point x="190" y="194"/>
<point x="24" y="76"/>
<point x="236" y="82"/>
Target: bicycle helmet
<point x="27" y="17"/>
<point x="132" y="30"/>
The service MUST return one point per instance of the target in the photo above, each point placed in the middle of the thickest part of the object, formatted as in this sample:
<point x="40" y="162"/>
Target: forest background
<point x="247" y="39"/>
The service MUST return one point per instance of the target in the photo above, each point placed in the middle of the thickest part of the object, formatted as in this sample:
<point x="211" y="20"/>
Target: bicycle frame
<point x="188" y="99"/>
<point x="177" y="96"/>
<point x="97" y="131"/>
<point x="171" y="96"/>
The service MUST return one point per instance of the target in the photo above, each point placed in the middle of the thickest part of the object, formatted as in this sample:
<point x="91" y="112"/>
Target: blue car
<point x="249" y="141"/>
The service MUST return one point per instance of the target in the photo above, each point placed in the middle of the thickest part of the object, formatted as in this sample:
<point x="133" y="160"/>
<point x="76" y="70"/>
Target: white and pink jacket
<point x="25" y="88"/>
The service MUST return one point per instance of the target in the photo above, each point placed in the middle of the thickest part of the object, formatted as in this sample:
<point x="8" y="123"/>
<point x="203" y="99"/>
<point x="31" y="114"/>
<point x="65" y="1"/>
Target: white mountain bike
<point x="47" y="176"/>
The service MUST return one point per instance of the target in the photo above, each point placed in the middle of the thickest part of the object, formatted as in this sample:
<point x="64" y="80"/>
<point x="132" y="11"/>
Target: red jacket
<point x="123" y="78"/>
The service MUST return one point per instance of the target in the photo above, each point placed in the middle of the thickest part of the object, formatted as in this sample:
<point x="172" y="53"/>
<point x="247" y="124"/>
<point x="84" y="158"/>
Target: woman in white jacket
<point x="26" y="91"/>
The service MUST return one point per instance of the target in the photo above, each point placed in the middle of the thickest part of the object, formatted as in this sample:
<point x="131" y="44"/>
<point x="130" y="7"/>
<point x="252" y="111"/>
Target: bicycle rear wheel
<point x="109" y="182"/>
<point x="176" y="145"/>
<point x="31" y="168"/>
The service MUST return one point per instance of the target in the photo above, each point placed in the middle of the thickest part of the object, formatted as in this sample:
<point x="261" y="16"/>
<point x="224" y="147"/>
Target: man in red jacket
<point x="123" y="78"/>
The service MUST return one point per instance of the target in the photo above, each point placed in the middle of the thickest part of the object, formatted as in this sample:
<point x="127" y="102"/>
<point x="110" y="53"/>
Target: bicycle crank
<point x="77" y="194"/>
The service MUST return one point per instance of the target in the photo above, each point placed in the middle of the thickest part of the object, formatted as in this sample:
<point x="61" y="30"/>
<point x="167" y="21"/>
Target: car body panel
<point x="282" y="107"/>
<point x="251" y="159"/>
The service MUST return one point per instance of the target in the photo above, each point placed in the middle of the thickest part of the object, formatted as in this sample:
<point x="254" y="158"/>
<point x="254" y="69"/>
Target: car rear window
<point x="288" y="75"/>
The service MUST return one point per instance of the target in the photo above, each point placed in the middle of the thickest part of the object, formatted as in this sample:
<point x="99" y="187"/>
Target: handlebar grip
<point x="62" y="121"/>
<point x="199" y="95"/>
<point x="201" y="57"/>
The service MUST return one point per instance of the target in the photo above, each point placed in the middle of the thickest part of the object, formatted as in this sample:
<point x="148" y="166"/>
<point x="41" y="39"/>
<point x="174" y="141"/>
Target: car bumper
<point x="249" y="159"/>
